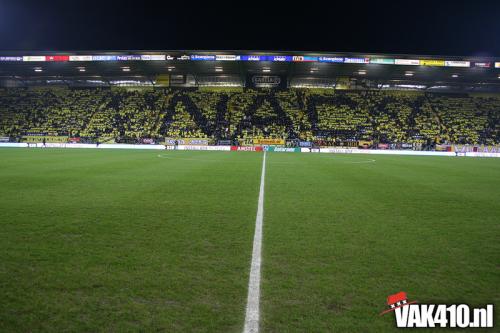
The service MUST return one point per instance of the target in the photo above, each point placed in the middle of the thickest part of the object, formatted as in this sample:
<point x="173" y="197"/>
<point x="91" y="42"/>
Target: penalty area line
<point x="252" y="316"/>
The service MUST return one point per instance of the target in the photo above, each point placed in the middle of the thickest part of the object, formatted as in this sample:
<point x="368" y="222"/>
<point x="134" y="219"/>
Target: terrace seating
<point x="243" y="114"/>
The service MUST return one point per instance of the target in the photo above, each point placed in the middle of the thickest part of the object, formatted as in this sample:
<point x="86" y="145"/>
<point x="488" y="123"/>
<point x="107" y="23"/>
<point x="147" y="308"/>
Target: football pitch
<point x="125" y="240"/>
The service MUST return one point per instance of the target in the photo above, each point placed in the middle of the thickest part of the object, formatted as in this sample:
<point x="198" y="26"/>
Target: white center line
<point x="253" y="302"/>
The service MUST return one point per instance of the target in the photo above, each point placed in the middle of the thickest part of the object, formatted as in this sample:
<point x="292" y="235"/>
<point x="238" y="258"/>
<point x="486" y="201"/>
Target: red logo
<point x="397" y="301"/>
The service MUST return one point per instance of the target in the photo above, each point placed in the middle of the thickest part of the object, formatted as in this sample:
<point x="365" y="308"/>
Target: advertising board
<point x="268" y="141"/>
<point x="432" y="62"/>
<point x="383" y="61"/>
<point x="449" y="63"/>
<point x="187" y="141"/>
<point x="243" y="148"/>
<point x="407" y="62"/>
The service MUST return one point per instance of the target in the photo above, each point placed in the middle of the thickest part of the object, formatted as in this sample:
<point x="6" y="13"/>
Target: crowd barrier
<point x="250" y="148"/>
<point x="386" y="152"/>
<point x="196" y="147"/>
<point x="13" y="144"/>
<point x="246" y="148"/>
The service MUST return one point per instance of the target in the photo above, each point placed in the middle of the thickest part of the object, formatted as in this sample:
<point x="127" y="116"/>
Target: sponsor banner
<point x="227" y="57"/>
<point x="73" y="140"/>
<point x="482" y="64"/>
<point x="472" y="148"/>
<point x="280" y="58"/>
<point x="331" y="59"/>
<point x="256" y="148"/>
<point x="304" y="59"/>
<point x="365" y="144"/>
<point x="384" y="152"/>
<point x="184" y="57"/>
<point x="11" y="58"/>
<point x="104" y="58"/>
<point x="383" y="61"/>
<point x="282" y="149"/>
<point x="267" y="81"/>
<point x="443" y="148"/>
<point x="408" y="62"/>
<point x="224" y="142"/>
<point x="196" y="147"/>
<point x="432" y="62"/>
<point x="131" y="57"/>
<point x="481" y="154"/>
<point x="305" y="144"/>
<point x="405" y="152"/>
<point x="450" y="63"/>
<point x="12" y="145"/>
<point x="253" y="58"/>
<point x="148" y="141"/>
<point x="4" y="139"/>
<point x="124" y="146"/>
<point x="153" y="57"/>
<point x="310" y="59"/>
<point x="48" y="138"/>
<point x="357" y="60"/>
<point x="268" y="141"/>
<point x="187" y="141"/>
<point x="239" y="148"/>
<point x="57" y="58"/>
<point x="80" y="58"/>
<point x="34" y="58"/>
<point x="198" y="57"/>
<point x="338" y="150"/>
<point x="383" y="146"/>
<point x="50" y="145"/>
<point x="497" y="64"/>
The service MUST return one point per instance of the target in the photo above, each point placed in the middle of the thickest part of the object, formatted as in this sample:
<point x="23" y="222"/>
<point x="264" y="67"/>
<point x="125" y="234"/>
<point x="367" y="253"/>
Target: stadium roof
<point x="415" y="69"/>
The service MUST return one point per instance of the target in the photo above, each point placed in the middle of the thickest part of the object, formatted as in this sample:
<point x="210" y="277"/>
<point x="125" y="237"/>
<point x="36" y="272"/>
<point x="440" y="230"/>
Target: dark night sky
<point x="380" y="26"/>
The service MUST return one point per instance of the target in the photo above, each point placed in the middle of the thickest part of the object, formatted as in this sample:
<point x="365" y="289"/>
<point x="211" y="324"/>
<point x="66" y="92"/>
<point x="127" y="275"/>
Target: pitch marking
<point x="253" y="302"/>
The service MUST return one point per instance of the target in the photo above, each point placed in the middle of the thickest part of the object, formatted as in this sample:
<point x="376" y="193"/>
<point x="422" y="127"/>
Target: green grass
<point x="339" y="237"/>
<point x="125" y="241"/>
<point x="117" y="240"/>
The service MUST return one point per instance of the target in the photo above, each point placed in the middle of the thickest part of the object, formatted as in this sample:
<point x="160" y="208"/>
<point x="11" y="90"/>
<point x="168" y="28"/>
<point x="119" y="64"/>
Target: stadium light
<point x="218" y="69"/>
<point x="409" y="74"/>
<point x="454" y="75"/>
<point x="38" y="69"/>
<point x="126" y="69"/>
<point x="81" y="69"/>
<point x="362" y="72"/>
<point x="266" y="69"/>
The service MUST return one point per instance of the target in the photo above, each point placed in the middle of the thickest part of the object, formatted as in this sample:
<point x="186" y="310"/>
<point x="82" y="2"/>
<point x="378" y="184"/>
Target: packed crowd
<point x="240" y="114"/>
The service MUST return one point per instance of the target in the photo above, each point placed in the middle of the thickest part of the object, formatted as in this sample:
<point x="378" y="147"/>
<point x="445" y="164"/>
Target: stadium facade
<point x="251" y="69"/>
<point x="251" y="97"/>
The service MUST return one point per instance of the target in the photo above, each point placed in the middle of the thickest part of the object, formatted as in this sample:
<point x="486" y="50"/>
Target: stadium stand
<point x="131" y="114"/>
